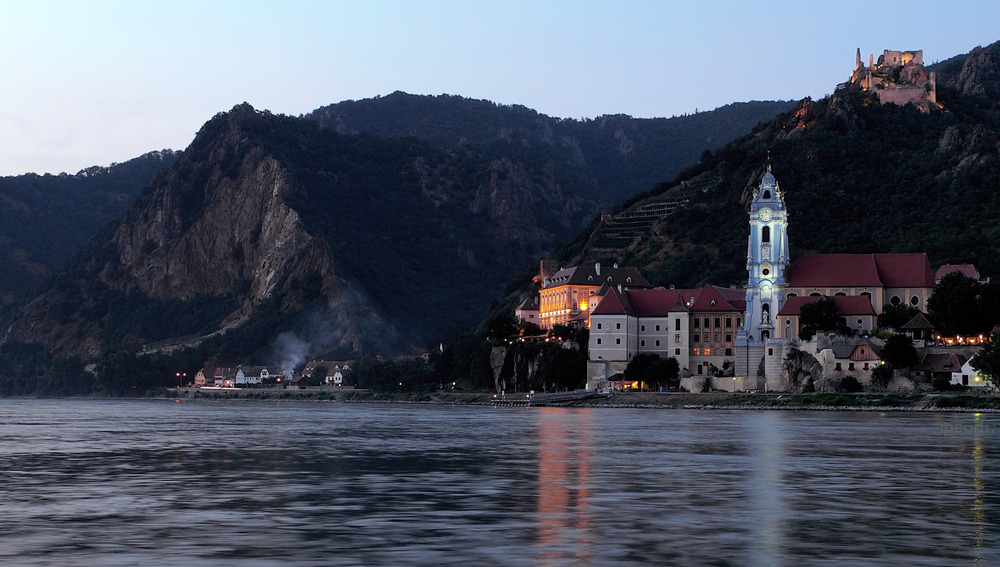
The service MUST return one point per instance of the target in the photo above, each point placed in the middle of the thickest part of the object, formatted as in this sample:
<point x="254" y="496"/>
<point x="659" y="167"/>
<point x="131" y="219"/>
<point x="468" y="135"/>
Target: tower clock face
<point x="765" y="214"/>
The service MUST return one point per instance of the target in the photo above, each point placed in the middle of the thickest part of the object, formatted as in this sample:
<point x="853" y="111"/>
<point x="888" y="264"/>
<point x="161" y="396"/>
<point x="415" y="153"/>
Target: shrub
<point x="850" y="384"/>
<point x="941" y="383"/>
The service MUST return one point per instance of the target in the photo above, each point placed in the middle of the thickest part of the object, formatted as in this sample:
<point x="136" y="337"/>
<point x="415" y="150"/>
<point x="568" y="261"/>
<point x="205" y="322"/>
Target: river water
<point x="101" y="482"/>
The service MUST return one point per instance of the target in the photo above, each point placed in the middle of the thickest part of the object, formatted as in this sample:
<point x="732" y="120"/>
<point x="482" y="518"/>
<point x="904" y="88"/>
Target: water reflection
<point x="153" y="483"/>
<point x="563" y="489"/>
<point x="979" y="517"/>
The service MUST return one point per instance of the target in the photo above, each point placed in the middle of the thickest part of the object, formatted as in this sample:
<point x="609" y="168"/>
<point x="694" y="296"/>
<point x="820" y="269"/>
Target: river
<point x="158" y="482"/>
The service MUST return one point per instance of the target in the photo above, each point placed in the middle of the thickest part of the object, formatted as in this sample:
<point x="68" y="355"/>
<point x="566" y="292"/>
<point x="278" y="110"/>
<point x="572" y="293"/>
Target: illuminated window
<point x="697" y="351"/>
<point x="708" y="352"/>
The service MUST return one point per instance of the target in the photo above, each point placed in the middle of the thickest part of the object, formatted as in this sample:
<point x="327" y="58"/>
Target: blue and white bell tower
<point x="767" y="263"/>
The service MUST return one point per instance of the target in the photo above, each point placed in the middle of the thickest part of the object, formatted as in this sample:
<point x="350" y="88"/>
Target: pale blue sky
<point x="91" y="83"/>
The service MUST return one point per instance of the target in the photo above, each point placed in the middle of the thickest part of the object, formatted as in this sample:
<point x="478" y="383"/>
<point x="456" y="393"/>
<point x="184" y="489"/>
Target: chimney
<point x="597" y="267"/>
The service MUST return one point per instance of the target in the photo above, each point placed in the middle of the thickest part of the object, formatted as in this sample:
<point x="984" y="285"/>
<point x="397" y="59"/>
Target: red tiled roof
<point x="861" y="270"/>
<point x="657" y="301"/>
<point x="840" y="270"/>
<point x="934" y="362"/>
<point x="905" y="270"/>
<point x="968" y="270"/>
<point x="612" y="304"/>
<point x="847" y="305"/>
<point x="710" y="299"/>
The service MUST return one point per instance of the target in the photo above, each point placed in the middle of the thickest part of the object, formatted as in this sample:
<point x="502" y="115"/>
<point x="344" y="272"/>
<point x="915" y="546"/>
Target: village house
<point x="841" y="356"/>
<point x="970" y="377"/>
<point x="336" y="370"/>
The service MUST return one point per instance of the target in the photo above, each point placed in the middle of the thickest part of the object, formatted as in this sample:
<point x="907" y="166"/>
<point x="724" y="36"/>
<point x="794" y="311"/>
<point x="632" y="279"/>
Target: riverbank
<point x="946" y="401"/>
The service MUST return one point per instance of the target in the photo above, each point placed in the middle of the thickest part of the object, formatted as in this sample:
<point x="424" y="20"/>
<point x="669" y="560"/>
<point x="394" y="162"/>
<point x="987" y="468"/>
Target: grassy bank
<point x="711" y="400"/>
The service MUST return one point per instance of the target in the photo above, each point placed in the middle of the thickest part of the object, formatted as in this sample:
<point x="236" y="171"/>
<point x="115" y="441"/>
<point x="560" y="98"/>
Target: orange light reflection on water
<point x="563" y="484"/>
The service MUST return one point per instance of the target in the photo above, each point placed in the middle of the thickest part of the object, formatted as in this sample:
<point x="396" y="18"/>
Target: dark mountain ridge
<point x="351" y="243"/>
<point x="612" y="157"/>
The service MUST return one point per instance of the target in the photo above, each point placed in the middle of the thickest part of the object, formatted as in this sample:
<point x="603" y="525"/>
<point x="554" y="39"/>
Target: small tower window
<point x="767" y="194"/>
<point x="765" y="234"/>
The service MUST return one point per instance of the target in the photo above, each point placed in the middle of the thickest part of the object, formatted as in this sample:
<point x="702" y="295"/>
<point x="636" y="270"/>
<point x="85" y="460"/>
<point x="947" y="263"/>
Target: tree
<point x="821" y="315"/>
<point x="954" y="306"/>
<point x="638" y="369"/>
<point x="881" y="375"/>
<point x="895" y="316"/>
<point x="899" y="352"/>
<point x="318" y="375"/>
<point x="667" y="372"/>
<point x="987" y="360"/>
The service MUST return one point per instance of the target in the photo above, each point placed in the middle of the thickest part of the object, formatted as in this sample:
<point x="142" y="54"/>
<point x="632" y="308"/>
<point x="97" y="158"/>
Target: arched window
<point x="914" y="301"/>
<point x="765" y="234"/>
<point x="767" y="194"/>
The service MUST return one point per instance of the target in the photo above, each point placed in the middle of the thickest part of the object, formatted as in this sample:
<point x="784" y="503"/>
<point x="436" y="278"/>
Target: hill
<point x="46" y="217"/>
<point x="611" y="157"/>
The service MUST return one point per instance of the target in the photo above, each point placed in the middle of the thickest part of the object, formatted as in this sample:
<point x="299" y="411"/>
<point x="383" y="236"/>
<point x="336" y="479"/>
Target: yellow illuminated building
<point x="569" y="296"/>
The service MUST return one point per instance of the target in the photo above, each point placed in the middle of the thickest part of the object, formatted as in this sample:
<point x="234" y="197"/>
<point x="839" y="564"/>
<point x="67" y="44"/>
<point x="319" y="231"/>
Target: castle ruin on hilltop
<point x="898" y="77"/>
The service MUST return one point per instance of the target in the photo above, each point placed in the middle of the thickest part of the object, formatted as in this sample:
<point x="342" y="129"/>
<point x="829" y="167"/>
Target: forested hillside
<point x="610" y="157"/>
<point x="46" y="217"/>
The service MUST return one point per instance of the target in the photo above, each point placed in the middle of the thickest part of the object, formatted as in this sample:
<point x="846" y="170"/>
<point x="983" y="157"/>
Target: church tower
<point x="759" y="349"/>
